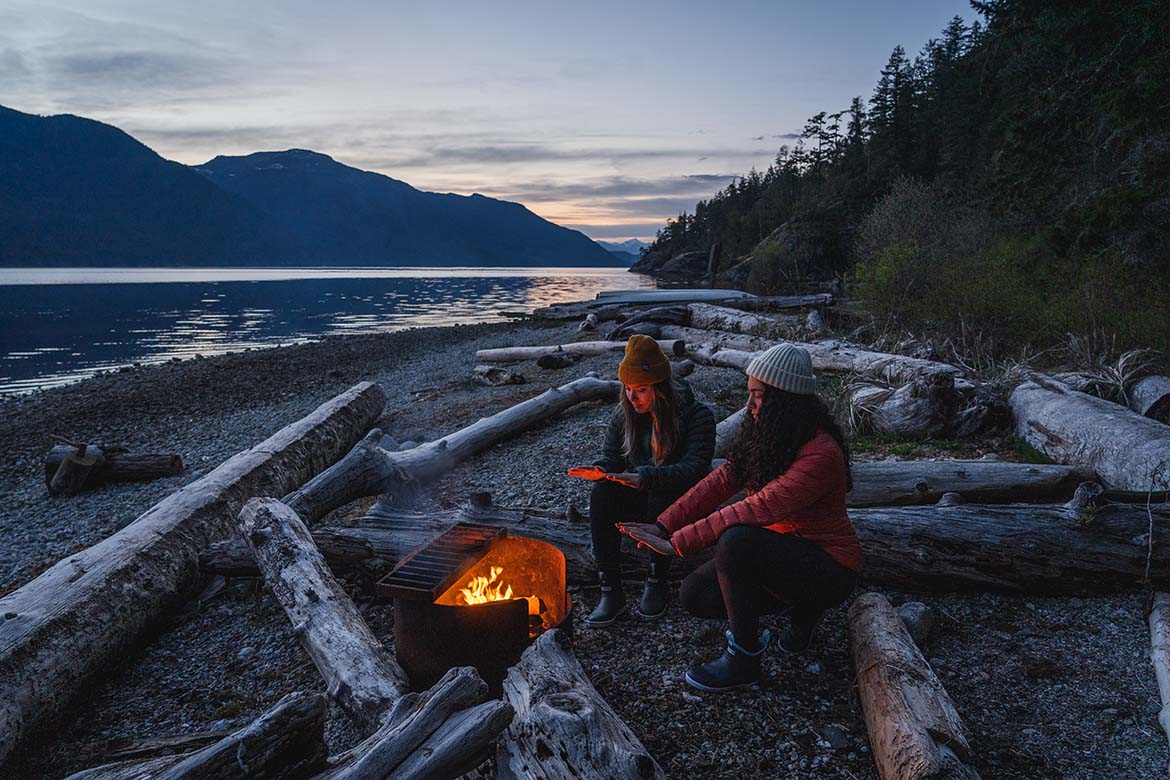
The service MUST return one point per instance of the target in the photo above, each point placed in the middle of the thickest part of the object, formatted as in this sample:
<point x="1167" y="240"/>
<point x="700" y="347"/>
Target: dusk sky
<point x="608" y="117"/>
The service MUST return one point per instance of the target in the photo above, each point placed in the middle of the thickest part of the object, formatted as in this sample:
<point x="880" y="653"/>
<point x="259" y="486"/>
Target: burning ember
<point x="481" y="590"/>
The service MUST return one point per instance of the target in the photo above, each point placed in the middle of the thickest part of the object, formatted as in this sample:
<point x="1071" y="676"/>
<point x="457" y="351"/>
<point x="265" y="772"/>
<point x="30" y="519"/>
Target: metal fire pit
<point x="433" y="632"/>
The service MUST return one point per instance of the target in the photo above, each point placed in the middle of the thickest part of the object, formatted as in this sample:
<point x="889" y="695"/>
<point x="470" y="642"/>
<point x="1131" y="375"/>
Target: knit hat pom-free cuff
<point x="644" y="362"/>
<point x="787" y="367"/>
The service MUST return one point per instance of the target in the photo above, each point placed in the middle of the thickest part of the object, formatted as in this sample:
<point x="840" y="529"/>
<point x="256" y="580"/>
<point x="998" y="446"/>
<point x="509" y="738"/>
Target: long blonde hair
<point x="664" y="413"/>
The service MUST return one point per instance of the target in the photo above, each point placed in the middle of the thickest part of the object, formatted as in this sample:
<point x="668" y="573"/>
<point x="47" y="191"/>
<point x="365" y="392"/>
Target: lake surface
<point x="60" y="325"/>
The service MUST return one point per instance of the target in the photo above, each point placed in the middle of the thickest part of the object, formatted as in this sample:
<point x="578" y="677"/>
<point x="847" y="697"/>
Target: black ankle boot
<point x="796" y="638"/>
<point x="736" y="668"/>
<point x="611" y="604"/>
<point x="654" y="597"/>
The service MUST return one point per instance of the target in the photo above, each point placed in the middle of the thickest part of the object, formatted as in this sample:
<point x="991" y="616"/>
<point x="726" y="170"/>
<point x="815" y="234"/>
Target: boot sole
<point x="603" y="624"/>
<point x="691" y="681"/>
<point x="644" y="616"/>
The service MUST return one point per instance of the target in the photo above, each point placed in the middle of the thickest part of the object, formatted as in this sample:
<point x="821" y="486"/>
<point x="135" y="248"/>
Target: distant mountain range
<point x="81" y="193"/>
<point x="629" y="251"/>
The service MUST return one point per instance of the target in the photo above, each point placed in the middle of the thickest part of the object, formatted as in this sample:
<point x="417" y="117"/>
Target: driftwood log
<point x="286" y="743"/>
<point x="360" y="675"/>
<point x="895" y="483"/>
<point x="85" y="611"/>
<point x="1027" y="548"/>
<point x="436" y="734"/>
<point x="831" y="356"/>
<point x="563" y="728"/>
<point x="369" y="469"/>
<point x="1159" y="619"/>
<point x="1128" y="451"/>
<point x="1150" y="397"/>
<point x="609" y="308"/>
<point x="115" y="464"/>
<point x="581" y="348"/>
<point x="915" y="733"/>
<point x="706" y="316"/>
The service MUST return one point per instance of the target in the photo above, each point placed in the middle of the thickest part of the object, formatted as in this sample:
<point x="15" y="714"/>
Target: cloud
<point x="643" y="230"/>
<point x="532" y="152"/>
<point x="619" y="186"/>
<point x="788" y="136"/>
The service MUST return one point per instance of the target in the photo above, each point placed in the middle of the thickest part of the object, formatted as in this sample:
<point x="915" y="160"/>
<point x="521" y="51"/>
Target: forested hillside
<point x="1012" y="177"/>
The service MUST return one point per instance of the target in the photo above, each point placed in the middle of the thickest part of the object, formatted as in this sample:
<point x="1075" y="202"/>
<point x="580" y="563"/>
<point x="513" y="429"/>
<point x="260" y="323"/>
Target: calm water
<point x="60" y="325"/>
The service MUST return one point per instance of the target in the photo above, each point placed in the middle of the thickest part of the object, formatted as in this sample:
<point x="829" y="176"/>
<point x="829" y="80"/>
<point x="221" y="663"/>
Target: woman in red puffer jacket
<point x="788" y="545"/>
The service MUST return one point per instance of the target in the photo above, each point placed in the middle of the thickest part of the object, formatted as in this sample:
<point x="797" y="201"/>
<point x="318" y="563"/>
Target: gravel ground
<point x="1048" y="687"/>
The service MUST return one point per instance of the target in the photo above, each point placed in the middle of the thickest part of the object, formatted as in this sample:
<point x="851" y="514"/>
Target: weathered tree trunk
<point x="1027" y="548"/>
<point x="712" y="340"/>
<point x="1128" y="451"/>
<point x="915" y="732"/>
<point x="360" y="675"/>
<point x="726" y="431"/>
<point x="659" y="315"/>
<point x="583" y="348"/>
<point x="286" y="743"/>
<point x="370" y="469"/>
<point x="85" y="611"/>
<point x="1160" y="654"/>
<point x="1150" y="397"/>
<point x="708" y="317"/>
<point x="117" y="465"/>
<point x="894" y="483"/>
<point x="563" y="728"/>
<point x="831" y="356"/>
<point x="73" y="470"/>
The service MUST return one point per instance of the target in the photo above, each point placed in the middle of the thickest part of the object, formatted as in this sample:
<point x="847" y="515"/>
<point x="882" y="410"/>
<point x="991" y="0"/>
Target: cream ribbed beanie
<point x="787" y="367"/>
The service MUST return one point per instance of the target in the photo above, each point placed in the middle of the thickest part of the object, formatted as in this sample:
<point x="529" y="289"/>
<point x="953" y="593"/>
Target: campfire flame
<point x="481" y="590"/>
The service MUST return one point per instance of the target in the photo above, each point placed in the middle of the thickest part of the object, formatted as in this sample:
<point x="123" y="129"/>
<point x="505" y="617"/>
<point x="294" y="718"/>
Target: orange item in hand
<point x="593" y="473"/>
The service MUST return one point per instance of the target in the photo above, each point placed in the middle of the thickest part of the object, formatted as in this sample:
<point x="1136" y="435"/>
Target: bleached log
<point x="589" y="323"/>
<point x="1023" y="548"/>
<point x="286" y="743"/>
<point x="360" y="675"/>
<point x="920" y="409"/>
<point x="370" y="470"/>
<point x="1150" y="397"/>
<point x="709" y="317"/>
<point x="915" y="733"/>
<point x="563" y="727"/>
<point x="494" y="376"/>
<point x="893" y="483"/>
<point x="666" y="295"/>
<point x="1160" y="654"/>
<point x="117" y="465"/>
<point x="831" y="356"/>
<point x="90" y="608"/>
<point x="434" y="734"/>
<point x="697" y="338"/>
<point x="1128" y="451"/>
<point x="582" y="348"/>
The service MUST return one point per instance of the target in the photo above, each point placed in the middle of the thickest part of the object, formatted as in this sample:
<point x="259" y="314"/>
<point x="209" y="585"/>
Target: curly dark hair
<point x="766" y="446"/>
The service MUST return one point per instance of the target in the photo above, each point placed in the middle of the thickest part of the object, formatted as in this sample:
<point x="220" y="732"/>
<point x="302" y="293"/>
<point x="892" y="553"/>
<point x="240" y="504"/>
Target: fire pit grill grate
<point x="430" y="570"/>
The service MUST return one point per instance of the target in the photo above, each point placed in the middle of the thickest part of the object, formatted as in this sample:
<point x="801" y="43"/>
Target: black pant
<point x="756" y="571"/>
<point x="610" y="503"/>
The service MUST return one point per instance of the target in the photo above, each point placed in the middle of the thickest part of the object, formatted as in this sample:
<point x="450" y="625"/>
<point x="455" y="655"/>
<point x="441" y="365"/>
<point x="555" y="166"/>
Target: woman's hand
<point x="649" y="537"/>
<point x="631" y="479"/>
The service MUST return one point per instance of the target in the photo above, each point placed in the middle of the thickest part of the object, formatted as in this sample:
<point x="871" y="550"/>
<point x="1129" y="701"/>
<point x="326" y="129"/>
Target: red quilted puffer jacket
<point x="807" y="500"/>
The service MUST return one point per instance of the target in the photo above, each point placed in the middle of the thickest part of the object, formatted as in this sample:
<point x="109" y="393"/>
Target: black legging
<point x="611" y="502"/>
<point x="756" y="571"/>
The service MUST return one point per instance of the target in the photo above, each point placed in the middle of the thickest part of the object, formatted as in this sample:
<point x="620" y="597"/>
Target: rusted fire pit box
<point x="435" y="628"/>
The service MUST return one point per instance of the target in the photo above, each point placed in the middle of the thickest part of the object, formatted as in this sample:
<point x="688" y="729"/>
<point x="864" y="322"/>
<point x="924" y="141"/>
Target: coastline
<point x="218" y="663"/>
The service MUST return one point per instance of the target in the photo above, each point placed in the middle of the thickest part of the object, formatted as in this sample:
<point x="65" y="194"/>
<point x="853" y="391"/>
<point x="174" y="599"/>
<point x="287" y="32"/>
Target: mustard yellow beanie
<point x="644" y="363"/>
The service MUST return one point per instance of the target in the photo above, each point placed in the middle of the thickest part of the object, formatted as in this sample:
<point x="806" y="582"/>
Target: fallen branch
<point x="369" y="469"/>
<point x="1160" y="654"/>
<point x="1150" y="397"/>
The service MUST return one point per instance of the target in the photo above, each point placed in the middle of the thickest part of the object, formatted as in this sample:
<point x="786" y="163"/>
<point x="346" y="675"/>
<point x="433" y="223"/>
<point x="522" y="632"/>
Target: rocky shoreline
<point x="1049" y="687"/>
